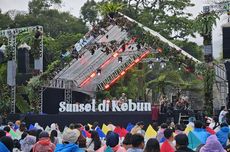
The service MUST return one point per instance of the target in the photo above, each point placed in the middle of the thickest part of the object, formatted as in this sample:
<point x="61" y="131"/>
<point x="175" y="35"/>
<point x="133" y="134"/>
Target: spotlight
<point x="98" y="72"/>
<point x="151" y="64"/>
<point x="158" y="59"/>
<point x="179" y="68"/>
<point x="162" y="64"/>
<point x="120" y="59"/>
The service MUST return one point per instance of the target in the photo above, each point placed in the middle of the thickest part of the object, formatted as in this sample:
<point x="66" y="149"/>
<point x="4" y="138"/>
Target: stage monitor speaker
<point x="226" y="41"/>
<point x="23" y="60"/>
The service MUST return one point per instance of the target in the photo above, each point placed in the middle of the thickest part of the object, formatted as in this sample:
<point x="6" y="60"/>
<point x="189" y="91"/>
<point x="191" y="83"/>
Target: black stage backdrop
<point x="117" y="118"/>
<point x="52" y="97"/>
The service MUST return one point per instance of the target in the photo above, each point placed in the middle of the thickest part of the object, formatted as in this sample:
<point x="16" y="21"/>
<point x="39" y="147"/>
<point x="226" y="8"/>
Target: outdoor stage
<point x="117" y="118"/>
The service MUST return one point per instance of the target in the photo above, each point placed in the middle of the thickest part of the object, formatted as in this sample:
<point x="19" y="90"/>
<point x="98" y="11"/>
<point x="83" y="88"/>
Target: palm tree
<point x="168" y="78"/>
<point x="109" y="8"/>
<point x="204" y="26"/>
<point x="205" y="23"/>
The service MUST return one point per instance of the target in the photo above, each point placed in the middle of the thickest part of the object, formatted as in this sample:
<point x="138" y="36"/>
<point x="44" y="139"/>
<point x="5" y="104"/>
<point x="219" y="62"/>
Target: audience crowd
<point x="210" y="136"/>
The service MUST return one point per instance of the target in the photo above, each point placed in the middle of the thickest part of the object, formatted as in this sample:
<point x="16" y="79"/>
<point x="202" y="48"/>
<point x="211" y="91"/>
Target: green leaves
<point x="89" y="12"/>
<point x="205" y="22"/>
<point x="109" y="7"/>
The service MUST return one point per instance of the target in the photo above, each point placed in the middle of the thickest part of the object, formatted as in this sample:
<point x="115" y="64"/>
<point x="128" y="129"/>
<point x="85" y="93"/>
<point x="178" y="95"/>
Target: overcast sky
<point x="73" y="6"/>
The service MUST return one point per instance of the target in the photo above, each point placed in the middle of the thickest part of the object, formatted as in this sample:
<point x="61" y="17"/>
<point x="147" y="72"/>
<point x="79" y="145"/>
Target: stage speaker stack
<point x="226" y="41"/>
<point x="23" y="60"/>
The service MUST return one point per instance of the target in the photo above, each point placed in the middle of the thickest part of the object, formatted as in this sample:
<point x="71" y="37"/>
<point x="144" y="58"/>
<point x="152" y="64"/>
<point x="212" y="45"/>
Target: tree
<point x="106" y="8"/>
<point x="89" y="12"/>
<point x="191" y="48"/>
<point x="5" y="21"/>
<point x="54" y="22"/>
<point x="36" y="6"/>
<point x="4" y="91"/>
<point x="204" y="25"/>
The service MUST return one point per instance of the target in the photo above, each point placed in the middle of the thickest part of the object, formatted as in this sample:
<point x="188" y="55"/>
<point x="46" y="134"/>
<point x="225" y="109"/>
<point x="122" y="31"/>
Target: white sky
<point x="73" y="6"/>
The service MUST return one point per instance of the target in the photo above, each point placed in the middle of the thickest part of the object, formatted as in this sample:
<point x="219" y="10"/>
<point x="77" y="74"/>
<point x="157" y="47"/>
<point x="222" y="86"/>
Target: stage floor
<point x="64" y="119"/>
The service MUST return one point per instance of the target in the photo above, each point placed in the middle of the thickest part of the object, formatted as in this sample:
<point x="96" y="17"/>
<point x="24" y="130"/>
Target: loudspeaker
<point x="226" y="42"/>
<point x="1" y="57"/>
<point x="23" y="60"/>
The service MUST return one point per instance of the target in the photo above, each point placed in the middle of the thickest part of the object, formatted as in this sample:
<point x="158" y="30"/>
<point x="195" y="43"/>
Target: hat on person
<point x="112" y="139"/>
<point x="71" y="136"/>
<point x="43" y="134"/>
<point x="181" y="139"/>
<point x="27" y="143"/>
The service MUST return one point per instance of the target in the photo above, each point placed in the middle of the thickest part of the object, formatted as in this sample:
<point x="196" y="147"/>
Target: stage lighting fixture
<point x="120" y="59"/>
<point x="162" y="64"/>
<point x="158" y="59"/>
<point x="151" y="64"/>
<point x="179" y="68"/>
<point x="98" y="72"/>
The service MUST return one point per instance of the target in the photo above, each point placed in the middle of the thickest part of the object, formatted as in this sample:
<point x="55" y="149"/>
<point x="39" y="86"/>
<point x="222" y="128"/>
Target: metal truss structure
<point x="82" y="75"/>
<point x="11" y="35"/>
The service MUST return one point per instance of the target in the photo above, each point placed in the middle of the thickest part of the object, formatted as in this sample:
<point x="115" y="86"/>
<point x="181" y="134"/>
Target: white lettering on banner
<point x="62" y="107"/>
<point x="105" y="106"/>
<point x="115" y="106"/>
<point x="93" y="105"/>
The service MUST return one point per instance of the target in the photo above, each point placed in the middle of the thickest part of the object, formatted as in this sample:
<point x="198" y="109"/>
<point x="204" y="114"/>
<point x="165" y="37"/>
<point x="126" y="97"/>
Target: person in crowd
<point x="123" y="98"/>
<point x="54" y="137"/>
<point x="69" y="139"/>
<point x="168" y="145"/>
<point x="222" y="115"/>
<point x="214" y="125"/>
<point x="138" y="143"/>
<point x="127" y="141"/>
<point x="212" y="145"/>
<point x="71" y="126"/>
<point x="160" y="133"/>
<point x="111" y="126"/>
<point x="7" y="130"/>
<point x="11" y="125"/>
<point x="152" y="145"/>
<point x="2" y="133"/>
<point x="95" y="125"/>
<point x="6" y="144"/>
<point x="81" y="141"/>
<point x="22" y="128"/>
<point x="112" y="143"/>
<point x="228" y="146"/>
<point x="191" y="121"/>
<point x="94" y="143"/>
<point x="17" y="145"/>
<point x="23" y="136"/>
<point x="44" y="143"/>
<point x="17" y="124"/>
<point x="87" y="128"/>
<point x="199" y="132"/>
<point x="182" y="143"/>
<point x="222" y="135"/>
<point x="179" y="128"/>
<point x="27" y="143"/>
<point x="36" y="133"/>
<point x="138" y="128"/>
